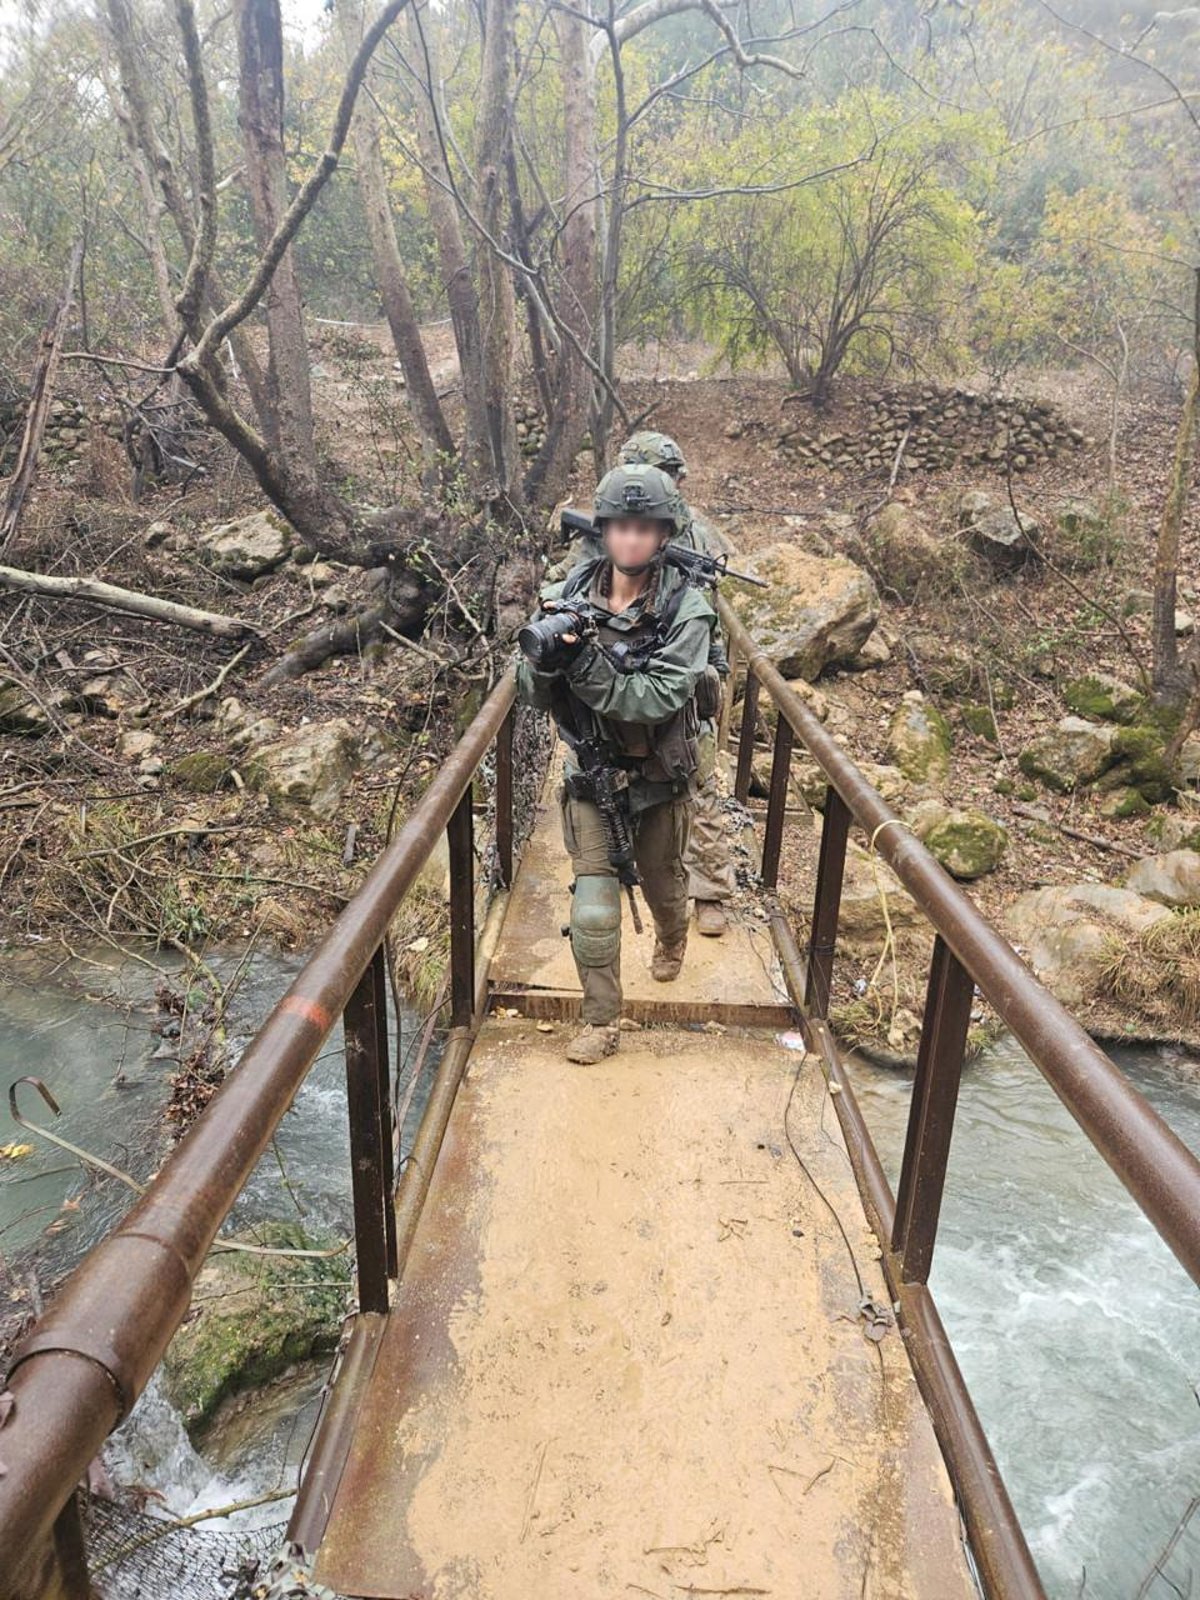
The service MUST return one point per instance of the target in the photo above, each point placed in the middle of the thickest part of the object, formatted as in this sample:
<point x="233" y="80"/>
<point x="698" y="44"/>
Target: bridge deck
<point x="733" y="979"/>
<point x="625" y="1358"/>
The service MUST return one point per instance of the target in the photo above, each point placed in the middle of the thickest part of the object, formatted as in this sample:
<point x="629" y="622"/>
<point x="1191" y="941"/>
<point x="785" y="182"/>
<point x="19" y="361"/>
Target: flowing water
<point x="89" y="1030"/>
<point x="1078" y="1333"/>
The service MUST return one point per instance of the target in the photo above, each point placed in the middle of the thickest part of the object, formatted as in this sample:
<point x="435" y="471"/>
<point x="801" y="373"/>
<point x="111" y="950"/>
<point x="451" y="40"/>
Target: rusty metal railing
<point x="84" y="1364"/>
<point x="1157" y="1168"/>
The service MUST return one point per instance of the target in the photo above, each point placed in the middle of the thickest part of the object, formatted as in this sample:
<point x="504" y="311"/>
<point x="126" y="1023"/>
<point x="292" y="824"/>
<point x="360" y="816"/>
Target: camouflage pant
<point x="659" y="841"/>
<point x="707" y="858"/>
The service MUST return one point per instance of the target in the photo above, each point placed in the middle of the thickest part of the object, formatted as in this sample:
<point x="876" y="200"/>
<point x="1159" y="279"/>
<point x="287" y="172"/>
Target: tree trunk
<point x="496" y="299"/>
<point x="1172" y="684"/>
<point x="260" y="116"/>
<point x="158" y="160"/>
<point x="457" y="278"/>
<point x="436" y="440"/>
<point x="142" y="605"/>
<point x="579" y="301"/>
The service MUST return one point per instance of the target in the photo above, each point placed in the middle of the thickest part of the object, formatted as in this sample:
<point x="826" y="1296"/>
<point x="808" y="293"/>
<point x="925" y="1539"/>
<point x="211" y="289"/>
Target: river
<point x="1077" y="1332"/>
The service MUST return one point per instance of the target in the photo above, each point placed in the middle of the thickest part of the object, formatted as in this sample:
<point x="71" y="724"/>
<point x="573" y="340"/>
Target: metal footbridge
<point x="658" y="1327"/>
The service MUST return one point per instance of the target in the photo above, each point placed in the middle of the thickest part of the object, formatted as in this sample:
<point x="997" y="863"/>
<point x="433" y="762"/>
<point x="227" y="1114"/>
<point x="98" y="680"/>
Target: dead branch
<point x="1038" y="814"/>
<point x="141" y="605"/>
<point x="41" y="393"/>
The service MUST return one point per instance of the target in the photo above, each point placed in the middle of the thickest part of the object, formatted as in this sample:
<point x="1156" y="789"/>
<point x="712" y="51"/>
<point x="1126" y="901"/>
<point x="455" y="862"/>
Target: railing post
<point x="827" y="901"/>
<point x="741" y="782"/>
<point x="363" y="1024"/>
<point x="781" y="763"/>
<point x="460" y="836"/>
<point x="504" y="801"/>
<point x="383" y="1058"/>
<point x="944" y="1027"/>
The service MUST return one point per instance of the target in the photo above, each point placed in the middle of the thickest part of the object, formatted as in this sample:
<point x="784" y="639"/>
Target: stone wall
<point x="945" y="427"/>
<point x="67" y="428"/>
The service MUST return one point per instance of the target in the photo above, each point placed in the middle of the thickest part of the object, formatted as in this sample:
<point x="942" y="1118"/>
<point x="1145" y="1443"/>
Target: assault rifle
<point x="701" y="569"/>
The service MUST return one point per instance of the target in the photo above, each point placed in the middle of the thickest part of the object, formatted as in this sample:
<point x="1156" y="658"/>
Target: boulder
<point x="817" y="610"/>
<point x="903" y="551"/>
<point x="995" y="529"/>
<point x="133" y="744"/>
<point x="306" y="772"/>
<point x="1102" y="695"/>
<point x="1069" y="755"/>
<point x="919" y="741"/>
<point x="966" y="841"/>
<point x="1172" y="879"/>
<point x="1067" y="932"/>
<point x="248" y="547"/>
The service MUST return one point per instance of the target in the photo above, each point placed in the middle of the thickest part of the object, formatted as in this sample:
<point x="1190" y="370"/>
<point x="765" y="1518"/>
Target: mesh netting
<point x="135" y="1556"/>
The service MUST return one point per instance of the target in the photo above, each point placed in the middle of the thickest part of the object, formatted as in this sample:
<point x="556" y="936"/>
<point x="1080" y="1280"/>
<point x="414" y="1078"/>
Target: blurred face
<point x="632" y="542"/>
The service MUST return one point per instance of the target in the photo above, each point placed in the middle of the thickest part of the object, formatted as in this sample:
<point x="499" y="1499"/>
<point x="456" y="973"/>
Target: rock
<point x="979" y="720"/>
<point x="919" y="742"/>
<point x="966" y="841"/>
<point x="21" y="714"/>
<point x="1124" y="802"/>
<point x="995" y="529"/>
<point x="1070" y="755"/>
<point x="817" y="610"/>
<point x="1067" y="932"/>
<point x="1140" y="762"/>
<point x="1185" y="624"/>
<point x="1101" y="695"/>
<point x="903" y="551"/>
<point x="252" y="1317"/>
<point x="1137" y="602"/>
<point x="248" y="547"/>
<point x="1080" y="518"/>
<point x="1173" y="879"/>
<point x="861" y="920"/>
<point x="1188" y="772"/>
<point x="307" y="771"/>
<point x="134" y="743"/>
<point x="875" y="653"/>
<point x="157" y="533"/>
<point x="201" y="771"/>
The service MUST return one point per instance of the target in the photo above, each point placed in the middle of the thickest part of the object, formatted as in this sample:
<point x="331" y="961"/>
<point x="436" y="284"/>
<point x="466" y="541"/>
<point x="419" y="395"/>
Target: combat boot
<point x="668" y="959"/>
<point x="710" y="918"/>
<point x="593" y="1043"/>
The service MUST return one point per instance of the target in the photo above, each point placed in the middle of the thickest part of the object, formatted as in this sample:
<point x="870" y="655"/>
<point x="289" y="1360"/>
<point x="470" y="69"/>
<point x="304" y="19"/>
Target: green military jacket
<point x="646" y="717"/>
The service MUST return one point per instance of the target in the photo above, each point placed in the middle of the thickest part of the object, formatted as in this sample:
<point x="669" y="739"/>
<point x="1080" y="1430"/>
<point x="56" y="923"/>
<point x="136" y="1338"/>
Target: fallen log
<point x="117" y="599"/>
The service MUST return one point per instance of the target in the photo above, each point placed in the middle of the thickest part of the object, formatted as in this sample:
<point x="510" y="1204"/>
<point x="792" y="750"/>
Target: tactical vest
<point x="662" y="753"/>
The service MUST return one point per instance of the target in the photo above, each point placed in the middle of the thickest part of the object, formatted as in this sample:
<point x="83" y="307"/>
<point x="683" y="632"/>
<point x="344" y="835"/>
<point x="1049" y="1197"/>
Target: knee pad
<point x="596" y="921"/>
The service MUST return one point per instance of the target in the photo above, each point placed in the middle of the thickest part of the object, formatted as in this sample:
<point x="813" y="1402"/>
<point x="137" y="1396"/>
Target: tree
<point x="847" y="241"/>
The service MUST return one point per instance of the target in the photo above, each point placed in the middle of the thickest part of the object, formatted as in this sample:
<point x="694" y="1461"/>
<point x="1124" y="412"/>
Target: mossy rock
<point x="1125" y="802"/>
<point x="1103" y="698"/>
<point x="1070" y="755"/>
<point x="252" y="1317"/>
<point x="1141" y="762"/>
<point x="980" y="721"/>
<point x="919" y="742"/>
<point x="966" y="841"/>
<point x="202" y="771"/>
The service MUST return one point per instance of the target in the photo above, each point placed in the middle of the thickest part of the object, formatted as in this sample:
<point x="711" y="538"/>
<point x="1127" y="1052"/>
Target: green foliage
<point x="850" y="243"/>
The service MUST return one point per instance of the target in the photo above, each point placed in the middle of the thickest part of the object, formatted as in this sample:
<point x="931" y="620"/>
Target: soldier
<point x="619" y="654"/>
<point x="710" y="868"/>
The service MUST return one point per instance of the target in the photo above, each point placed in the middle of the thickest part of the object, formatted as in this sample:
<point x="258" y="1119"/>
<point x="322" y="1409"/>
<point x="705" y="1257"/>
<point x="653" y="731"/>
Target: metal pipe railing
<point x="85" y="1363"/>
<point x="1153" y="1163"/>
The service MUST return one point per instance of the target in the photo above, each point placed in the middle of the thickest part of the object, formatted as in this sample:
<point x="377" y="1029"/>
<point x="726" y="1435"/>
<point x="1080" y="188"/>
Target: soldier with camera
<point x="619" y="654"/>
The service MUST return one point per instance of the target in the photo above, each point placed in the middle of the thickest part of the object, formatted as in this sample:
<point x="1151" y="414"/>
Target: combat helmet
<point x="651" y="449"/>
<point x="636" y="491"/>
